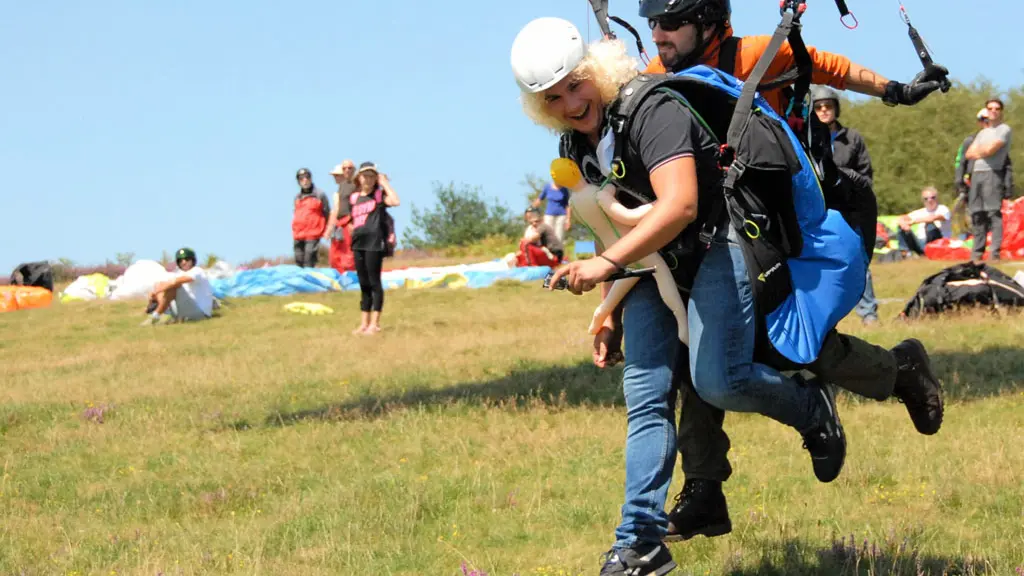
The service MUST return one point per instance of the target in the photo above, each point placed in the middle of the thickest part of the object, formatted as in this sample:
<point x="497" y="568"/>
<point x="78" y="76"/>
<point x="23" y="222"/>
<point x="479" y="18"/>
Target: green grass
<point x="472" y="430"/>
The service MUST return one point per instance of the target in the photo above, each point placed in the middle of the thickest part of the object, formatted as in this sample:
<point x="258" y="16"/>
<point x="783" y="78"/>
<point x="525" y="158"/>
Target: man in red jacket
<point x="309" y="221"/>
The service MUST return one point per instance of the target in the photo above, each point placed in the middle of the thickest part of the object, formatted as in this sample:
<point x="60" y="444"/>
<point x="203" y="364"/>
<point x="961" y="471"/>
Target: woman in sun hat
<point x="370" y="240"/>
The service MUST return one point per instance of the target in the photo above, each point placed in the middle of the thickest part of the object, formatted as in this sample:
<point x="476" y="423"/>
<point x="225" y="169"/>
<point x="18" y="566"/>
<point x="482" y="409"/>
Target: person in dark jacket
<point x="309" y="220"/>
<point x="851" y="157"/>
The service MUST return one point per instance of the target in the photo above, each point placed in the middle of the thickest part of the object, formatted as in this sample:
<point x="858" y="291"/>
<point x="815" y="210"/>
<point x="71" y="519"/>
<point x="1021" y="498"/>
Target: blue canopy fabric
<point x="289" y="279"/>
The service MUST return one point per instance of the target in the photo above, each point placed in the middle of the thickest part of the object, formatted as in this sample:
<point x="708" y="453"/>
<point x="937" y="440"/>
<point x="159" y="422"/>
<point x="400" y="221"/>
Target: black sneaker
<point x="640" y="560"/>
<point x="916" y="386"/>
<point x="827" y="441"/>
<point x="700" y="510"/>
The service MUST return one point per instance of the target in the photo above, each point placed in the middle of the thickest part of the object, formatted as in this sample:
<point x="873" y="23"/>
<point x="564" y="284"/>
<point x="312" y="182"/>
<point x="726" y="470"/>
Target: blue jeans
<point x="868" y="305"/>
<point x="722" y="329"/>
<point x="651" y="346"/>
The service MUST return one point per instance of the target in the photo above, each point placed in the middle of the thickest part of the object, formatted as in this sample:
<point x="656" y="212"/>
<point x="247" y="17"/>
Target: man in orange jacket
<point x="692" y="32"/>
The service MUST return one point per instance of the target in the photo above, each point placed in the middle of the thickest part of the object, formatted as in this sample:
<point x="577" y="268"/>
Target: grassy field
<point x="471" y="435"/>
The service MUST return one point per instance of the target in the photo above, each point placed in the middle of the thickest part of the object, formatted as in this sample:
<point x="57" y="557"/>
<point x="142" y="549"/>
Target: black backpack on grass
<point x="964" y="285"/>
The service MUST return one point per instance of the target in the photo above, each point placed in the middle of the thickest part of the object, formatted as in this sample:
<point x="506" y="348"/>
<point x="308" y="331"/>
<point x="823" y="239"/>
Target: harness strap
<point x="620" y="114"/>
<point x="789" y="29"/>
<point x="744" y="105"/>
<point x="601" y="13"/>
<point x="727" y="55"/>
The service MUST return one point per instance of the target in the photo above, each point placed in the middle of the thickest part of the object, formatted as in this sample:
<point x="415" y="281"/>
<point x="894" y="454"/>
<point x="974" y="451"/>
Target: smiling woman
<point x="657" y="151"/>
<point x="567" y="87"/>
<point x="574" y="104"/>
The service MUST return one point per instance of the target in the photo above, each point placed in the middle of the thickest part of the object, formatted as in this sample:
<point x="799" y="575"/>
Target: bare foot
<point x="372" y="329"/>
<point x="360" y="330"/>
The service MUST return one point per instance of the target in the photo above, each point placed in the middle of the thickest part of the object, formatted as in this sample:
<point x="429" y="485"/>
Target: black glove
<point x="927" y="81"/>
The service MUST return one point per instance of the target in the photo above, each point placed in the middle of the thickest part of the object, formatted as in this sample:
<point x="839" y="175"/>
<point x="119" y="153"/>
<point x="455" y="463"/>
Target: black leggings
<point x="368" y="265"/>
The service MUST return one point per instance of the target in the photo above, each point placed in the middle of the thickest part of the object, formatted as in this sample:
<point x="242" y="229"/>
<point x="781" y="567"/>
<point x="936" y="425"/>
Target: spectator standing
<point x="369" y="203"/>
<point x="309" y="219"/>
<point x="990" y="153"/>
<point x="557" y="213"/>
<point x="339" y="225"/>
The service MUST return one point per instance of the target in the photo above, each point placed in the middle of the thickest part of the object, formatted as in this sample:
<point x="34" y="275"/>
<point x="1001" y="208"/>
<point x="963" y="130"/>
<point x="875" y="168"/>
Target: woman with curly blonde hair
<point x="670" y="160"/>
<point x="606" y="65"/>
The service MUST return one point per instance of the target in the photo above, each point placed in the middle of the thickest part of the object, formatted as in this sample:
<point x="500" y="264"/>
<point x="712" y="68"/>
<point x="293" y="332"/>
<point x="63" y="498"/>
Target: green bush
<point x="460" y="217"/>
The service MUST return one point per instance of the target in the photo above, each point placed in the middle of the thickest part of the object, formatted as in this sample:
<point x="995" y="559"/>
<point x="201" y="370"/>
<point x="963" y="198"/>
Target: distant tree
<point x="124" y="258"/>
<point x="460" y="216"/>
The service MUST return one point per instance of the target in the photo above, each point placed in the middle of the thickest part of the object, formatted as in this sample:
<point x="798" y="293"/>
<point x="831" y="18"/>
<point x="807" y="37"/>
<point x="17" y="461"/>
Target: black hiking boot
<point x="700" y="510"/>
<point x="640" y="560"/>
<point x="827" y="441"/>
<point x="916" y="386"/>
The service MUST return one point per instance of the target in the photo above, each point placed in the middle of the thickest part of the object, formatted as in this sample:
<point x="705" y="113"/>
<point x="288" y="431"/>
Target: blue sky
<point x="130" y="126"/>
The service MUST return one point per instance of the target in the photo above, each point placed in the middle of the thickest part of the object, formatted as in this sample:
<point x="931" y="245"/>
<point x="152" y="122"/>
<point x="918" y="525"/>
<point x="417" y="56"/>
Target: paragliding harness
<point x="758" y="156"/>
<point x="758" y="153"/>
<point x="961" y="286"/>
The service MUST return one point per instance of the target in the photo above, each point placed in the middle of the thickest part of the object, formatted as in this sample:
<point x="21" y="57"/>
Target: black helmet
<point x="185" y="254"/>
<point x="303" y="172"/>
<point x="819" y="93"/>
<point x="702" y="12"/>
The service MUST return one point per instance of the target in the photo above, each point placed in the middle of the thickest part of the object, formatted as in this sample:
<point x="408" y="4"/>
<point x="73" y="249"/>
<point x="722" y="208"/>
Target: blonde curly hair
<point x="607" y="64"/>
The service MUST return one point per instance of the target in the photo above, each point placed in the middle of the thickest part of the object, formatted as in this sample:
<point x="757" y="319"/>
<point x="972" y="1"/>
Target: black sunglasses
<point x="668" y="23"/>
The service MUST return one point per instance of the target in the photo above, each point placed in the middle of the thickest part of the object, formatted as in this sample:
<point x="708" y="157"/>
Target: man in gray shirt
<point x="989" y="152"/>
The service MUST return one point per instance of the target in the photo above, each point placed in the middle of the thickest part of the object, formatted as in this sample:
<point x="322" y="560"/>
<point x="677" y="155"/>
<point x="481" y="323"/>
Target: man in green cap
<point x="186" y="296"/>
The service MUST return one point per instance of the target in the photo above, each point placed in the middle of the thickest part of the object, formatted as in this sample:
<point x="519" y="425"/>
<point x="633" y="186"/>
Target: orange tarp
<point x="23" y="298"/>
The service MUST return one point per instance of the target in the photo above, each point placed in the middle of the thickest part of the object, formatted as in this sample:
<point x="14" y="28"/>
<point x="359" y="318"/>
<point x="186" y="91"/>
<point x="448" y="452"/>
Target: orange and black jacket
<point x="830" y="69"/>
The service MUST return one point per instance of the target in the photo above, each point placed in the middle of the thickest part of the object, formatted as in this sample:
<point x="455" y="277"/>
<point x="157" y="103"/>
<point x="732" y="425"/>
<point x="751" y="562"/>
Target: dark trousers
<point x="910" y="242"/>
<point x="985" y="203"/>
<point x="306" y="253"/>
<point x="368" y="268"/>
<point x="848" y="362"/>
<point x="700" y="437"/>
<point x="981" y="224"/>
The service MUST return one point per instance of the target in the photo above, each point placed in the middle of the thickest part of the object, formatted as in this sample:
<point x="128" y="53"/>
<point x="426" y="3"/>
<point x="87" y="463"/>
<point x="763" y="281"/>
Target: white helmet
<point x="545" y="51"/>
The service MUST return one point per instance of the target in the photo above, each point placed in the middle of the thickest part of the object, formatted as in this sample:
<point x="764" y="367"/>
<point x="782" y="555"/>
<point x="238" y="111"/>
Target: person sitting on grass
<point x="540" y="245"/>
<point x="935" y="216"/>
<point x="187" y="296"/>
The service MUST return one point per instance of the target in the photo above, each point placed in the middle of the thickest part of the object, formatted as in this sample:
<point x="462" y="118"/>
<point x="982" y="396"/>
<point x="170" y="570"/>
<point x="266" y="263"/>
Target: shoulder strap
<point x="744" y="105"/>
<point x="789" y="29"/>
<point x="621" y="112"/>
<point x="727" y="55"/>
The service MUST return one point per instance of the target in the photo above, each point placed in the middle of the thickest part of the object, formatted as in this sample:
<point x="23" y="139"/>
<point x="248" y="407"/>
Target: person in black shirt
<point x="670" y="160"/>
<point x="368" y="203"/>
